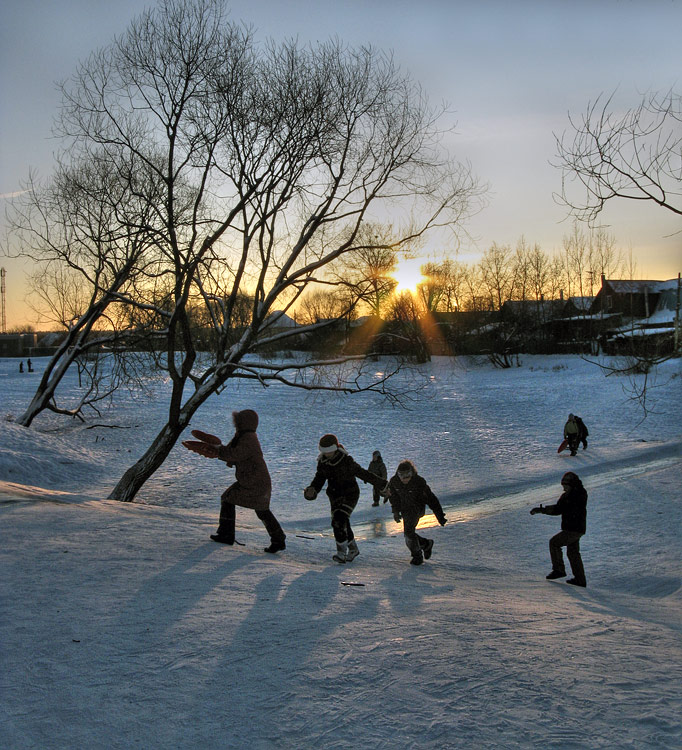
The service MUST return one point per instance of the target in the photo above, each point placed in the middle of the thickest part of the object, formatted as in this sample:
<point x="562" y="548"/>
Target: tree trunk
<point x="130" y="483"/>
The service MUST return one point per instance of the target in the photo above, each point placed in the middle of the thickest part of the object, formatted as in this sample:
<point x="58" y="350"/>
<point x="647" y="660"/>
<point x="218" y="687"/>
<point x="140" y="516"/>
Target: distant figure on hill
<point x="30" y="365"/>
<point x="21" y="366"/>
<point x="339" y="470"/>
<point x="253" y="486"/>
<point x="572" y="507"/>
<point x="378" y="467"/>
<point x="410" y="494"/>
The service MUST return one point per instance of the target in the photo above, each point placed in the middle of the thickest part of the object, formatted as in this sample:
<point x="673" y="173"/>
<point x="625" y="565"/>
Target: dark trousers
<point x="341" y="508"/>
<point x="228" y="518"/>
<point x="415" y="543"/>
<point x="570" y="540"/>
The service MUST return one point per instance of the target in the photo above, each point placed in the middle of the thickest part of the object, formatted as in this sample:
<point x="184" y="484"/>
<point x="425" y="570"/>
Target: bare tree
<point x="539" y="273"/>
<point x="407" y="331"/>
<point x="498" y="275"/>
<point x="636" y="155"/>
<point x="86" y="232"/>
<point x="605" y="258"/>
<point x="321" y="305"/>
<point x="577" y="260"/>
<point x="522" y="271"/>
<point x="270" y="160"/>
<point x="366" y="272"/>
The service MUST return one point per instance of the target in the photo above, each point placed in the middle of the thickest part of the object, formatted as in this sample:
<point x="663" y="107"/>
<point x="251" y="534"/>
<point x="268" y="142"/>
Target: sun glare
<point x="408" y="275"/>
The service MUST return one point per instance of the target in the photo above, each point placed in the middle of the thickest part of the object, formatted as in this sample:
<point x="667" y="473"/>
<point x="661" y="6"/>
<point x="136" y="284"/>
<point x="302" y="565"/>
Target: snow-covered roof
<point x="649" y="331"/>
<point x="638" y="286"/>
<point x="280" y="319"/>
<point x="581" y="303"/>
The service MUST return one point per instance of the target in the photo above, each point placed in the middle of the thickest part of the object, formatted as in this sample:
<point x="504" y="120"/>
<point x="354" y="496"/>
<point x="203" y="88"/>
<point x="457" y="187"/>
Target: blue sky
<point x="510" y="72"/>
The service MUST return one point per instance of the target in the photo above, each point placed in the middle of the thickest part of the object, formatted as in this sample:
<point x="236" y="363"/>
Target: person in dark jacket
<point x="253" y="486"/>
<point x="378" y="467"/>
<point x="409" y="495"/>
<point x="340" y="472"/>
<point x="583" y="432"/>
<point x="572" y="434"/>
<point x="572" y="507"/>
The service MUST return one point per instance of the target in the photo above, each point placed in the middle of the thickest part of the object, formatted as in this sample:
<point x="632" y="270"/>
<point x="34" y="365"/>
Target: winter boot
<point x="353" y="551"/>
<point x="222" y="539"/>
<point x="341" y="551"/>
<point x="426" y="549"/>
<point x="417" y="559"/>
<point x="276" y="545"/>
<point x="375" y="504"/>
<point x="576" y="582"/>
<point x="555" y="574"/>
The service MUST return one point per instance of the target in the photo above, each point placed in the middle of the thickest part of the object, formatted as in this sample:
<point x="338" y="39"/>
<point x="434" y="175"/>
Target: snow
<point x="124" y="626"/>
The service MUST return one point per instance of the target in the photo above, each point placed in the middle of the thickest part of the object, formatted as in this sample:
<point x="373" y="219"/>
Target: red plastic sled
<point x="206" y="437"/>
<point x="562" y="447"/>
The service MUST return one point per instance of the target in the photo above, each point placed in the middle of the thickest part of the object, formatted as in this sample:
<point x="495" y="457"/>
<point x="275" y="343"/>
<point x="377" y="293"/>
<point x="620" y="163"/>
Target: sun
<point x="408" y="275"/>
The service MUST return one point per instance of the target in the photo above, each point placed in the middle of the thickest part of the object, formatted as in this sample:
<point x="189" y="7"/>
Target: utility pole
<point x="677" y="315"/>
<point x="3" y="318"/>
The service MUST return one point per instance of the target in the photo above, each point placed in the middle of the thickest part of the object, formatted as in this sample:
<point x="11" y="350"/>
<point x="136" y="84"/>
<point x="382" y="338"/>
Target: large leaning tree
<point x="261" y="164"/>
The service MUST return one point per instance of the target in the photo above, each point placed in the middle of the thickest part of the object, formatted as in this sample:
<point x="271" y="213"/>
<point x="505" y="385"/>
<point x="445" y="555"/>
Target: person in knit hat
<point x="572" y="507"/>
<point x="253" y="486"/>
<point x="410" y="494"/>
<point x="341" y="472"/>
<point x="378" y="467"/>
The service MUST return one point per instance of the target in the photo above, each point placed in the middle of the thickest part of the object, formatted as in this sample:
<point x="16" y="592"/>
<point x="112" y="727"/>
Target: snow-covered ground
<point x="123" y="626"/>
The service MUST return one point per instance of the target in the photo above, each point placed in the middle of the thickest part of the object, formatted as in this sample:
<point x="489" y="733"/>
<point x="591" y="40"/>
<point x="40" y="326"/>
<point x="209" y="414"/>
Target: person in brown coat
<point x="253" y="486"/>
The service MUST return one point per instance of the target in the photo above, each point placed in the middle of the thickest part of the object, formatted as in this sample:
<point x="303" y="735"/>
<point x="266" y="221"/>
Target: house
<point x="17" y="344"/>
<point x="630" y="298"/>
<point x="647" y="315"/>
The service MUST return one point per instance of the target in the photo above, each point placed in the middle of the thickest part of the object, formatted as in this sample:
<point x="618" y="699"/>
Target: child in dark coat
<point x="378" y="467"/>
<point x="339" y="470"/>
<point x="409" y="495"/>
<point x="572" y="507"/>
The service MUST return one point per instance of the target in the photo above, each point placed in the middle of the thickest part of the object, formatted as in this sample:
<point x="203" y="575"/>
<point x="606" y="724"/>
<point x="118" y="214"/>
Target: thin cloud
<point x="13" y="195"/>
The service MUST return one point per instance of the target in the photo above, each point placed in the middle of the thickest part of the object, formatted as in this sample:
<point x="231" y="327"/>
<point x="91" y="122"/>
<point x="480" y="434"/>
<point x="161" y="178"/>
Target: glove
<point x="310" y="493"/>
<point x="206" y="437"/>
<point x="385" y="499"/>
<point x="397" y="518"/>
<point x="385" y="492"/>
<point x="442" y="520"/>
<point x="203" y="449"/>
<point x="536" y="510"/>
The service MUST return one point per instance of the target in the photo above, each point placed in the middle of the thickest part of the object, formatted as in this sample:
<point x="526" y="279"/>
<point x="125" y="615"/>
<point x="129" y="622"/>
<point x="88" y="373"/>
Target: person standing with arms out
<point x="572" y="507"/>
<point x="572" y="434"/>
<point x="378" y="467"/>
<point x="409" y="495"/>
<point x="253" y="486"/>
<point x="340" y="472"/>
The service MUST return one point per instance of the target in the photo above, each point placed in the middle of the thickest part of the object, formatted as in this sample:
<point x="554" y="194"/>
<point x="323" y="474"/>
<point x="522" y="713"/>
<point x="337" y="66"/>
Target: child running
<point x="339" y="470"/>
<point x="409" y="495"/>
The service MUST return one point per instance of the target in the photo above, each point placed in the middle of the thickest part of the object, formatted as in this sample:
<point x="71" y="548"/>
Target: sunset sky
<point x="510" y="71"/>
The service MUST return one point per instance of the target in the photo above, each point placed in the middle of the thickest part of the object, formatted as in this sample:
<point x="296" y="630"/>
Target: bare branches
<point x="636" y="154"/>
